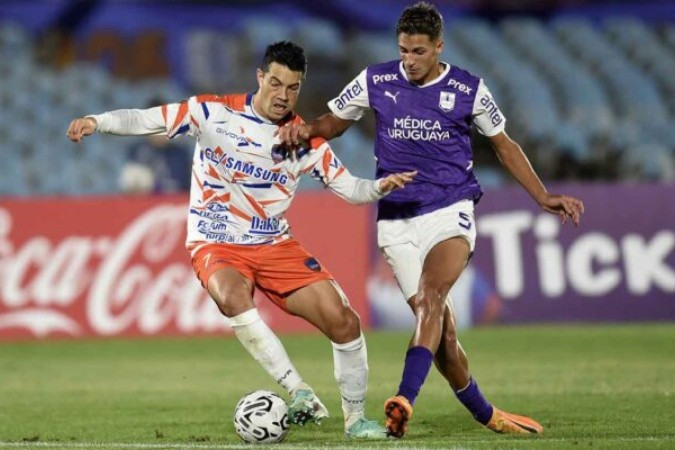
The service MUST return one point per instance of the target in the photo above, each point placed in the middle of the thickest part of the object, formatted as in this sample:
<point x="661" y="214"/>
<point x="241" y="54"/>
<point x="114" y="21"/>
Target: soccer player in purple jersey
<point x="424" y="110"/>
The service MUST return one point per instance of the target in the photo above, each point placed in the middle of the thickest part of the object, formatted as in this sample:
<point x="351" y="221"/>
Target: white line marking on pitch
<point x="384" y="444"/>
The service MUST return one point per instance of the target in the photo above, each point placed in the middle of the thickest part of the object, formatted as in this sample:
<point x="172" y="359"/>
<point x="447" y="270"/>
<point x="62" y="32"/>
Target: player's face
<point x="420" y="56"/>
<point x="278" y="91"/>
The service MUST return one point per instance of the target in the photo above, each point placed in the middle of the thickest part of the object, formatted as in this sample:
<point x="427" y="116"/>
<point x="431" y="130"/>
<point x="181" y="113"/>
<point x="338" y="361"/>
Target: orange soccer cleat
<point x="503" y="422"/>
<point x="398" y="411"/>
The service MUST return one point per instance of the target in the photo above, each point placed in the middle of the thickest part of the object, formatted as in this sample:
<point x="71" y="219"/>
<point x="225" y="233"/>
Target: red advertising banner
<point x="117" y="266"/>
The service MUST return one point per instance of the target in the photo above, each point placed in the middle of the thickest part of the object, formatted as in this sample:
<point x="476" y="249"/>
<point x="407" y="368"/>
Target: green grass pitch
<point x="599" y="387"/>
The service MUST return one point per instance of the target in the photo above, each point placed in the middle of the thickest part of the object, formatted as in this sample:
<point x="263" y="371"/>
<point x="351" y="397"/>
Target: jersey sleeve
<point x="353" y="100"/>
<point x="173" y="119"/>
<point x="323" y="165"/>
<point x="487" y="117"/>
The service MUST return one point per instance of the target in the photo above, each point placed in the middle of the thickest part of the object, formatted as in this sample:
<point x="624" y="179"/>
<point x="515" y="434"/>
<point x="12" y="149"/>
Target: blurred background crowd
<point x="588" y="87"/>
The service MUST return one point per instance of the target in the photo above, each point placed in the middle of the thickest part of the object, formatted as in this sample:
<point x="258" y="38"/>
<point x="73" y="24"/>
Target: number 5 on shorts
<point x="464" y="221"/>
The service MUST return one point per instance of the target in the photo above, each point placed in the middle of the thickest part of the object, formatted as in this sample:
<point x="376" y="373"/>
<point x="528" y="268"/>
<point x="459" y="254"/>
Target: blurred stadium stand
<point x="589" y="93"/>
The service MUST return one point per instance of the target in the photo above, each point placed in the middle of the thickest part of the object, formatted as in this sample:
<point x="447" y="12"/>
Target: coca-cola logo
<point x="138" y="281"/>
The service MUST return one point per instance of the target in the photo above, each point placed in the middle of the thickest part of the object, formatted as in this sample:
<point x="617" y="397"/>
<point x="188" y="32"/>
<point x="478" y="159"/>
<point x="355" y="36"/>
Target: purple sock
<point x="417" y="364"/>
<point x="472" y="398"/>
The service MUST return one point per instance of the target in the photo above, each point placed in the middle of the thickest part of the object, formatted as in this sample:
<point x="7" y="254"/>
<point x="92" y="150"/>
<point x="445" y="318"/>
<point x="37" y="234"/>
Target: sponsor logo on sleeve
<point x="492" y="110"/>
<point x="349" y="93"/>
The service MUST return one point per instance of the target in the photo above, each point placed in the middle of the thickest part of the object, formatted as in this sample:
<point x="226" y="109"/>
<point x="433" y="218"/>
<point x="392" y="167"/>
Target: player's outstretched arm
<point x="338" y="179"/>
<point x="359" y="191"/>
<point x="135" y="122"/>
<point x="514" y="160"/>
<point x="79" y="128"/>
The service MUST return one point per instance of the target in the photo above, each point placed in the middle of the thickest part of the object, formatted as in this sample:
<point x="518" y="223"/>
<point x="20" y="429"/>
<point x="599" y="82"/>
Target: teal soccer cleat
<point x="366" y="429"/>
<point x="306" y="407"/>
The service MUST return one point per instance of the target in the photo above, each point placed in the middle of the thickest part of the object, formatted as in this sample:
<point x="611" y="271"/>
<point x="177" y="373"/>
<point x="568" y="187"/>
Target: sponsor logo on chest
<point x="268" y="225"/>
<point x="417" y="129"/>
<point x="461" y="87"/>
<point x="384" y="78"/>
<point x="241" y="138"/>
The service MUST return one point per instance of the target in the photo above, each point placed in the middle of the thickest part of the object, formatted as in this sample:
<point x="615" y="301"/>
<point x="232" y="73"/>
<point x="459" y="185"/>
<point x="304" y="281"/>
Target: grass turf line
<point x="590" y="386"/>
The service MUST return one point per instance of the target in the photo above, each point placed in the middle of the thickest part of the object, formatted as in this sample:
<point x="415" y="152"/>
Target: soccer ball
<point x="261" y="417"/>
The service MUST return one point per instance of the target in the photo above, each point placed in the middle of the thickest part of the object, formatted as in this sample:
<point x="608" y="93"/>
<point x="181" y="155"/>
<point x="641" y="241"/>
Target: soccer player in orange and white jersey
<point x="243" y="181"/>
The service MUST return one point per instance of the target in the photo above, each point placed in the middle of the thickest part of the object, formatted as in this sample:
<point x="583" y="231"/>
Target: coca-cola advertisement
<point x="117" y="266"/>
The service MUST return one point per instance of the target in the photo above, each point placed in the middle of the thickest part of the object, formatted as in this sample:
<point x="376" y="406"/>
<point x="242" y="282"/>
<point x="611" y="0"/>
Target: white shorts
<point x="405" y="243"/>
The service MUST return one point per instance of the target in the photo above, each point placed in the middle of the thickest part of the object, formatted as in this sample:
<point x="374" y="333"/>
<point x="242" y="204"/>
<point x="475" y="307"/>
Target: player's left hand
<point x="79" y="128"/>
<point x="396" y="181"/>
<point x="564" y="206"/>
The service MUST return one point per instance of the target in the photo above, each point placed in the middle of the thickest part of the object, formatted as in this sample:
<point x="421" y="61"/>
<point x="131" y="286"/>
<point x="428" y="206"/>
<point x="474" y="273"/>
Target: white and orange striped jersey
<point x="242" y="180"/>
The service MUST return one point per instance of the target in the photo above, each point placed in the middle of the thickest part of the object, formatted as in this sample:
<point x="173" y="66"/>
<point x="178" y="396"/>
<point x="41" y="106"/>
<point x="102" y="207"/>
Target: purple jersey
<point x="425" y="128"/>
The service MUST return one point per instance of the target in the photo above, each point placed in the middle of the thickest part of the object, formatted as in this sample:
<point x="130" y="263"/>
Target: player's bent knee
<point x="232" y="301"/>
<point x="345" y="328"/>
<point x="429" y="303"/>
<point x="353" y="324"/>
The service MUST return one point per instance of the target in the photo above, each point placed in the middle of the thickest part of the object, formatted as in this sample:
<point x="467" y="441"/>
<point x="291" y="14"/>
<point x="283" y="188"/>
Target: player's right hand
<point x="80" y="128"/>
<point x="293" y="135"/>
<point x="396" y="181"/>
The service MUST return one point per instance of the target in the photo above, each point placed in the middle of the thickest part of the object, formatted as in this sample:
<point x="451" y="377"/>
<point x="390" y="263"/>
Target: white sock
<point x="266" y="348"/>
<point x="351" y="373"/>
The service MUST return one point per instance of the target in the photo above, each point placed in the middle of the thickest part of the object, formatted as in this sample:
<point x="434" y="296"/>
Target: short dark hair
<point x="287" y="53"/>
<point x="421" y="18"/>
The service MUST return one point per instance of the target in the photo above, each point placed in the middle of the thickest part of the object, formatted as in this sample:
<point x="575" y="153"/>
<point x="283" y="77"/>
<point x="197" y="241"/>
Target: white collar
<point x="430" y="83"/>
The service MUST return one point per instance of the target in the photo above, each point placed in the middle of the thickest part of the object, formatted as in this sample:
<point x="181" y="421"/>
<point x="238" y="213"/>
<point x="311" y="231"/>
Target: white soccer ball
<point x="261" y="417"/>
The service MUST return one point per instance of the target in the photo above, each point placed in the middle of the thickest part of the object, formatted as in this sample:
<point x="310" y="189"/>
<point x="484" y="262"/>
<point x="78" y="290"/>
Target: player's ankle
<point x="473" y="400"/>
<point x="352" y="418"/>
<point x="300" y="386"/>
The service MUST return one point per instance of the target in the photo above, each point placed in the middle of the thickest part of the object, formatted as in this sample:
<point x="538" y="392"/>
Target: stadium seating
<point x="580" y="98"/>
<point x="577" y="88"/>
